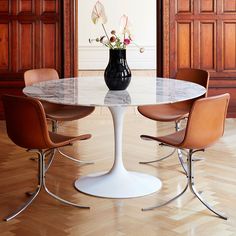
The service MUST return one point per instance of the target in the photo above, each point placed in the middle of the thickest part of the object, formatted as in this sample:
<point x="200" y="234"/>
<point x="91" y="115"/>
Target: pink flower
<point x="126" y="41"/>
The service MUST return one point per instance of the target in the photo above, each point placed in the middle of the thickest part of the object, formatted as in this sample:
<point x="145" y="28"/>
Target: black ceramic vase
<point x="117" y="74"/>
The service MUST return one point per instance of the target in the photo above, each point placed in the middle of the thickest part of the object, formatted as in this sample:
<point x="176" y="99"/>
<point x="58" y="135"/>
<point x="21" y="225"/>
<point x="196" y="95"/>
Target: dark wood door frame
<point x="70" y="39"/>
<point x="159" y="36"/>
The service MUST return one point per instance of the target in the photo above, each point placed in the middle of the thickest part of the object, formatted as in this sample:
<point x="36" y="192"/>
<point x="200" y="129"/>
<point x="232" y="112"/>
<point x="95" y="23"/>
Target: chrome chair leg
<point x="193" y="158"/>
<point x="54" y="130"/>
<point x="193" y="190"/>
<point x="63" y="200"/>
<point x="198" y="159"/>
<point x="169" y="201"/>
<point x="160" y="159"/>
<point x="52" y="194"/>
<point x="221" y="215"/>
<point x="33" y="196"/>
<point x="74" y="159"/>
<point x="183" y="164"/>
<point x="29" y="193"/>
<point x="190" y="184"/>
<point x="179" y="151"/>
<point x="22" y="208"/>
<point x="52" y="154"/>
<point x="36" y="158"/>
<point x="41" y="184"/>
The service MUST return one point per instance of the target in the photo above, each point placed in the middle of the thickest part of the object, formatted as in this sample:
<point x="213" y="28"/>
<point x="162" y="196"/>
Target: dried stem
<point x="107" y="35"/>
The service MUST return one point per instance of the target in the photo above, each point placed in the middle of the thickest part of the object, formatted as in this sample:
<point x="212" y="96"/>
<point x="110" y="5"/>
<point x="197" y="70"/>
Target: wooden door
<point x="30" y="37"/>
<point x="202" y="34"/>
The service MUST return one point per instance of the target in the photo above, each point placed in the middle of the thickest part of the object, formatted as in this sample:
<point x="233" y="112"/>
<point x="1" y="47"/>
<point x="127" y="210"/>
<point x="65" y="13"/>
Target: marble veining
<point x="92" y="91"/>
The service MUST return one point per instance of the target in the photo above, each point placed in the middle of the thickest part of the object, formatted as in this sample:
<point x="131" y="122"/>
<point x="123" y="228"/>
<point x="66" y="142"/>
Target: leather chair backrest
<point x="206" y="121"/>
<point x="197" y="76"/>
<point x="26" y="122"/>
<point x="38" y="75"/>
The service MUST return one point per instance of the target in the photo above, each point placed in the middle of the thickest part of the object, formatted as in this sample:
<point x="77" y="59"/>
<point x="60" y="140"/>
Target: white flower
<point x="98" y="14"/>
<point x="125" y="25"/>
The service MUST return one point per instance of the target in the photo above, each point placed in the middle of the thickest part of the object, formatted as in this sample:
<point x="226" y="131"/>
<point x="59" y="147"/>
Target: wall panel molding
<point x="96" y="58"/>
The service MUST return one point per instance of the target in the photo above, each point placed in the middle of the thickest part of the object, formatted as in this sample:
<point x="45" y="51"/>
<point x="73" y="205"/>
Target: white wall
<point x="142" y="15"/>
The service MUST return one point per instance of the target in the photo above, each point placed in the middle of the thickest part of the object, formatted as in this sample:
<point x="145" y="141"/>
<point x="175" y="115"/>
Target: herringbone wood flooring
<point x="186" y="216"/>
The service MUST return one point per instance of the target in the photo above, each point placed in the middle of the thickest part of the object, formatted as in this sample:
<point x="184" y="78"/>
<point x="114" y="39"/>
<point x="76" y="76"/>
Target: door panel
<point x="207" y="6"/>
<point x="50" y="6"/>
<point x="229" y="6"/>
<point x="207" y="45"/>
<point x="26" y="6"/>
<point x="4" y="6"/>
<point x="229" y="46"/>
<point x="26" y="42"/>
<point x="49" y="44"/>
<point x="184" y="6"/>
<point x="184" y="45"/>
<point x="4" y="46"/>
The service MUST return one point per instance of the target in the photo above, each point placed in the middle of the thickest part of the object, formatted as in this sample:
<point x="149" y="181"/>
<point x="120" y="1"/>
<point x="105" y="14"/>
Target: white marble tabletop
<point x="92" y="91"/>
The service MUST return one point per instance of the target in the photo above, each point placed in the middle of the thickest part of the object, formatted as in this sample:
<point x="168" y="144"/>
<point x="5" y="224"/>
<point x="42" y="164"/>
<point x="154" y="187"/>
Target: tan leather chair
<point x="57" y="112"/>
<point x="205" y="126"/>
<point x="27" y="127"/>
<point x="175" y="112"/>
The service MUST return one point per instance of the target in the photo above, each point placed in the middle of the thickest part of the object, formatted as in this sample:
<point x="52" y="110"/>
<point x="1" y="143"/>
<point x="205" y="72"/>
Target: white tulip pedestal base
<point x="118" y="182"/>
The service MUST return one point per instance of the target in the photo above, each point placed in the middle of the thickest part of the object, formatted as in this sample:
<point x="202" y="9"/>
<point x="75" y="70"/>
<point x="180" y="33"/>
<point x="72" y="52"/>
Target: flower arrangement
<point x="114" y="41"/>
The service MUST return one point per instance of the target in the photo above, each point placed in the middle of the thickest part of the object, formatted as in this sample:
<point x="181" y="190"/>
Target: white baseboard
<point x="96" y="58"/>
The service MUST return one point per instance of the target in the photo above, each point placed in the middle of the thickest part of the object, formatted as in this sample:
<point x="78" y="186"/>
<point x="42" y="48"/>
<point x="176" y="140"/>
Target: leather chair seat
<point x="66" y="113"/>
<point x="62" y="140"/>
<point x="165" y="112"/>
<point x="174" y="139"/>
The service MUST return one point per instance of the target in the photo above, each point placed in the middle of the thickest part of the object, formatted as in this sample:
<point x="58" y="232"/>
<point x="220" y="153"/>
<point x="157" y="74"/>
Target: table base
<point x="129" y="184"/>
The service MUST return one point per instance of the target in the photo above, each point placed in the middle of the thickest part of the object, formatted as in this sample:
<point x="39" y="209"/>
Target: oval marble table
<point x="92" y="91"/>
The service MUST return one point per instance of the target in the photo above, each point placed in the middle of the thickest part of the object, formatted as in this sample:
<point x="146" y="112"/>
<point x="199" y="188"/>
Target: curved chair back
<point x="26" y="122"/>
<point x="197" y="76"/>
<point x="38" y="75"/>
<point x="206" y="121"/>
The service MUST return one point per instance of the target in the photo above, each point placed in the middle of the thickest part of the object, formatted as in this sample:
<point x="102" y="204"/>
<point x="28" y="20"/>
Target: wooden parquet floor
<point x="215" y="176"/>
